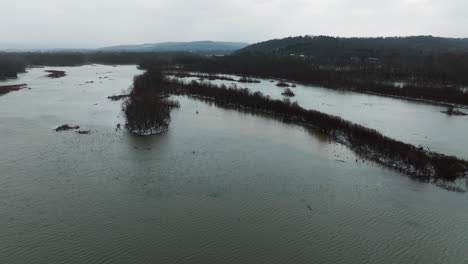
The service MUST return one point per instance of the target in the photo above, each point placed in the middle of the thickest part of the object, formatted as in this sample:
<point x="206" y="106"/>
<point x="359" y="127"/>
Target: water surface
<point x="220" y="186"/>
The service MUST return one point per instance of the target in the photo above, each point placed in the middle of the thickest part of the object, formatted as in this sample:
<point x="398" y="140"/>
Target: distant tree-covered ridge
<point x="325" y="46"/>
<point x="421" y="57"/>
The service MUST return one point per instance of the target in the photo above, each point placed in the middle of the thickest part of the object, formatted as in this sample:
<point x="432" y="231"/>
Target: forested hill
<point x="323" y="46"/>
<point x="195" y="46"/>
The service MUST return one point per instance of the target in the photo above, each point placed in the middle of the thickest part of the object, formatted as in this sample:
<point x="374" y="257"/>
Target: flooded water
<point x="220" y="186"/>
<point x="408" y="121"/>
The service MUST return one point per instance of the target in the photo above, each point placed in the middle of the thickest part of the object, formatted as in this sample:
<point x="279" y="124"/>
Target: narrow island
<point x="11" y="88"/>
<point x="147" y="110"/>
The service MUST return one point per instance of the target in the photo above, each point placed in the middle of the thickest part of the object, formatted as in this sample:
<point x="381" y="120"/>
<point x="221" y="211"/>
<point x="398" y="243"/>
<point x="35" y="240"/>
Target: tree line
<point x="10" y="66"/>
<point x="416" y="84"/>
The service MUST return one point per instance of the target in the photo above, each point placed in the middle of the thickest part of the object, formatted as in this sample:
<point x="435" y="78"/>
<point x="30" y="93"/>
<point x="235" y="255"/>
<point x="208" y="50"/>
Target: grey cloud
<point x="93" y="23"/>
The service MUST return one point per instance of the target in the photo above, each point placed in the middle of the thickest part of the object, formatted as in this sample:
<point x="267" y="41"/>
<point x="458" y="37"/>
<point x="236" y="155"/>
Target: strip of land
<point x="11" y="88"/>
<point x="405" y="158"/>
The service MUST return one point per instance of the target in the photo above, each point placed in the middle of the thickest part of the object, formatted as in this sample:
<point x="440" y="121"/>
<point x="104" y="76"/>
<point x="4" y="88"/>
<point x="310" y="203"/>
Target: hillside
<point x="323" y="46"/>
<point x="196" y="46"/>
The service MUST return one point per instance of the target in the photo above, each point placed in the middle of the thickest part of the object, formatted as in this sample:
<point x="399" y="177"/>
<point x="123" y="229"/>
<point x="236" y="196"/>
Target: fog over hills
<point x="211" y="47"/>
<point x="195" y="46"/>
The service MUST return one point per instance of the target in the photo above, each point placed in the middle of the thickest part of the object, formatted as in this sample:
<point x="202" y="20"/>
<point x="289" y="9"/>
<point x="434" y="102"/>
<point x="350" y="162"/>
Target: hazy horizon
<point x="94" y="24"/>
<point x="52" y="46"/>
<point x="24" y="46"/>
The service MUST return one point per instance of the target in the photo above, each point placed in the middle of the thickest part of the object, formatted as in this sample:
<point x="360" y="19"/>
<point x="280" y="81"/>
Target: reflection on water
<point x="219" y="187"/>
<point x="408" y="121"/>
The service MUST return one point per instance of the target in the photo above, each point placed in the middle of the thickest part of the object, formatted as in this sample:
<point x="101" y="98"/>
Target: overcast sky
<point x="96" y="23"/>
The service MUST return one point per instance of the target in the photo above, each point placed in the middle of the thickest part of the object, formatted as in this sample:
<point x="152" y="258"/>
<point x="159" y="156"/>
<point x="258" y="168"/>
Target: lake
<point x="220" y="186"/>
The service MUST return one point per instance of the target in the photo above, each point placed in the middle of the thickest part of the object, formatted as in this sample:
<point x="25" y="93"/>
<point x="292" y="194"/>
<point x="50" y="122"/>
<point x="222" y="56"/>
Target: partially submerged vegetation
<point x="246" y="79"/>
<point x="210" y="77"/>
<point x="282" y="84"/>
<point x="66" y="127"/>
<point x="406" y="158"/>
<point x="201" y="76"/>
<point x="147" y="108"/>
<point x="288" y="92"/>
<point x="452" y="111"/>
<point x="117" y="97"/>
<point x="55" y="74"/>
<point x="11" y="88"/>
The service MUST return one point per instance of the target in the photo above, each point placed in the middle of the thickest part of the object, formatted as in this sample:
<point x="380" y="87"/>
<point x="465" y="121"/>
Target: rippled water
<point x="219" y="187"/>
<point x="411" y="122"/>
